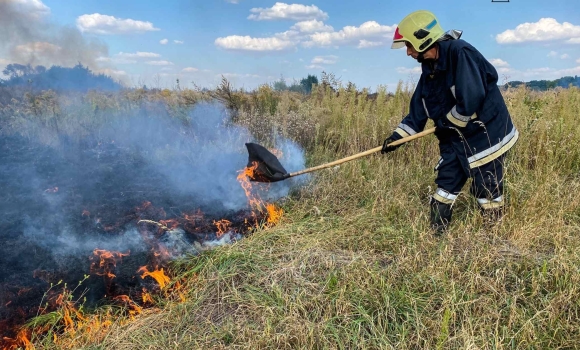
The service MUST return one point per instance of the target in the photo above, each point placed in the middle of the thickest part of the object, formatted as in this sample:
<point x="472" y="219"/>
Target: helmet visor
<point x="398" y="44"/>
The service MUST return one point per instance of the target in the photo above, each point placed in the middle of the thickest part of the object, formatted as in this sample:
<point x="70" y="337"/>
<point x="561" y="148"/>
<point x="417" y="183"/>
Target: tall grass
<point x="353" y="263"/>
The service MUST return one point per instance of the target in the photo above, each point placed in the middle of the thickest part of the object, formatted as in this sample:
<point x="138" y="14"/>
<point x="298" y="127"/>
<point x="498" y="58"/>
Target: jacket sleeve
<point x="469" y="89"/>
<point x="416" y="120"/>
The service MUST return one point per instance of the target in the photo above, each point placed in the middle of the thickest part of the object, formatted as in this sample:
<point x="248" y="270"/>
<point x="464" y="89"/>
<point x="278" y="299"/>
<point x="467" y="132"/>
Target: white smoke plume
<point x="29" y="37"/>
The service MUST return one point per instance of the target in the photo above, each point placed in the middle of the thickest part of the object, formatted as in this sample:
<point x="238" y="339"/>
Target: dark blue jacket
<point x="460" y="94"/>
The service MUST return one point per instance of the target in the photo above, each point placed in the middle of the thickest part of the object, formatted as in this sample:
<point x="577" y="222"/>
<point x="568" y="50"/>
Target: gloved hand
<point x="387" y="148"/>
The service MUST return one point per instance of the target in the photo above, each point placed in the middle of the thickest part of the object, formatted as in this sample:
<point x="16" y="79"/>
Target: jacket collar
<point x="441" y="61"/>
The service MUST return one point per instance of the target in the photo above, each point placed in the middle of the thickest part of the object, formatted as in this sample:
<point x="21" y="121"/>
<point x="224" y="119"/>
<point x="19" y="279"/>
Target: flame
<point x="274" y="214"/>
<point x="158" y="275"/>
<point x="134" y="309"/>
<point x="244" y="177"/>
<point x="146" y="297"/>
<point x="104" y="261"/>
<point x="169" y="224"/>
<point x="20" y="342"/>
<point x="222" y="226"/>
<point x="162" y="253"/>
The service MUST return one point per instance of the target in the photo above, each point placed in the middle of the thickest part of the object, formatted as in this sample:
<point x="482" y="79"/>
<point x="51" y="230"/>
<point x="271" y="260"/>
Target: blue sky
<point x="255" y="41"/>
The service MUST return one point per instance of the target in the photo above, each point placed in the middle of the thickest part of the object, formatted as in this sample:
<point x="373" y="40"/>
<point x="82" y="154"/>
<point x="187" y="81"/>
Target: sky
<point x="253" y="42"/>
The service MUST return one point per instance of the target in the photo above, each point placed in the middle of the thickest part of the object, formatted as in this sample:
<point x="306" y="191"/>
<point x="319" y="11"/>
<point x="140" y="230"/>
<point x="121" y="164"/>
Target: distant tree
<point x="280" y="85"/>
<point x="79" y="78"/>
<point x="543" y="85"/>
<point x="329" y="79"/>
<point x="307" y="83"/>
<point x="15" y="70"/>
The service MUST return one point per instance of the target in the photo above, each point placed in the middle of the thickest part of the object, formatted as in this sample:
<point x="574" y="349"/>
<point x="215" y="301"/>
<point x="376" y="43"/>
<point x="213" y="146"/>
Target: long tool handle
<point x="362" y="154"/>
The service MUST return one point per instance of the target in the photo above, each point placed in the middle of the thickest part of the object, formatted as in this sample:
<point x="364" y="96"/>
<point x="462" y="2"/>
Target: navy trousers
<point x="487" y="185"/>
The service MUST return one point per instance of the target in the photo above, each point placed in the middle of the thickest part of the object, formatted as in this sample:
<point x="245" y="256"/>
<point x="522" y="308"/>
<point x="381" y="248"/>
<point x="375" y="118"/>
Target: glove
<point x="387" y="148"/>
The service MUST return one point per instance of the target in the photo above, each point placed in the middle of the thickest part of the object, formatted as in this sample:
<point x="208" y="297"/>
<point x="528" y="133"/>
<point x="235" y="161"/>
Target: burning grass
<point x="354" y="265"/>
<point x="89" y="230"/>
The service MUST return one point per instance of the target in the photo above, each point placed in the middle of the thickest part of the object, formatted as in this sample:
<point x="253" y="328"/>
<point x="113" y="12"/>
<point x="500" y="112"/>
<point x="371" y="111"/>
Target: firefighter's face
<point x="430" y="54"/>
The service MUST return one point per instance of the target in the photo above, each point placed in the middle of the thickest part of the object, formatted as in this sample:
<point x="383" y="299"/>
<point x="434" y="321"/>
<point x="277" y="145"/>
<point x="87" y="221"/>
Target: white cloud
<point x="546" y="29"/>
<point x="159" y="63"/>
<point x="117" y="60"/>
<point x="138" y="54"/>
<point x="163" y="41"/>
<point x="498" y="62"/>
<point x="247" y="43"/>
<point x="104" y="24"/>
<point x="330" y="59"/>
<point x="237" y="75"/>
<point x="282" y="11"/>
<point x="552" y="54"/>
<point x="314" y="66"/>
<point x="363" y="44"/>
<point x="504" y="70"/>
<point x="312" y="26"/>
<point x="178" y="41"/>
<point x="578" y="60"/>
<point x="565" y="56"/>
<point x="34" y="9"/>
<point x="189" y="70"/>
<point x="404" y="70"/>
<point x="362" y="36"/>
<point x="233" y="1"/>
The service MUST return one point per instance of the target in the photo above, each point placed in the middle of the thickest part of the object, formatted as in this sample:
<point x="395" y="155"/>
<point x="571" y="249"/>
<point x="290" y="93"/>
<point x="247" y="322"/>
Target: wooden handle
<point x="362" y="154"/>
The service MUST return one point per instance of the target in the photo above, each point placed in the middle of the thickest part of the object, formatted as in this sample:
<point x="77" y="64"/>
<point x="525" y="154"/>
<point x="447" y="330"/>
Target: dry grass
<point x="354" y="265"/>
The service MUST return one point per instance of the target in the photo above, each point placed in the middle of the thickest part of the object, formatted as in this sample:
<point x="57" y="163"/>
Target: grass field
<point x="353" y="263"/>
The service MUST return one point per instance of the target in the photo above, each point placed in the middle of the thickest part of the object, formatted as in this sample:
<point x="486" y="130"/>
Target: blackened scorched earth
<point x="58" y="204"/>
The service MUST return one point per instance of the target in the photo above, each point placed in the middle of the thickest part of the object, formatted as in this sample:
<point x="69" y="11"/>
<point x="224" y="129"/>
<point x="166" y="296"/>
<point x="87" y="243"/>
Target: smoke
<point x="77" y="187"/>
<point x="199" y="155"/>
<point x="28" y="37"/>
<point x="65" y="194"/>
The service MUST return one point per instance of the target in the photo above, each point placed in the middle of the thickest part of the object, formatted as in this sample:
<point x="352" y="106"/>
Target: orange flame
<point x="222" y="226"/>
<point x="146" y="297"/>
<point x="158" y="275"/>
<point x="20" y="342"/>
<point x="274" y="214"/>
<point x="104" y="261"/>
<point x="170" y="223"/>
<point x="244" y="177"/>
<point x="256" y="203"/>
<point x="132" y="306"/>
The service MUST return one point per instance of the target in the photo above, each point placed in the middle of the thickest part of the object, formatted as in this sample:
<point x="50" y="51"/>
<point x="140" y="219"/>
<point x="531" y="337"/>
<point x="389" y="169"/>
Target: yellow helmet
<point x="420" y="28"/>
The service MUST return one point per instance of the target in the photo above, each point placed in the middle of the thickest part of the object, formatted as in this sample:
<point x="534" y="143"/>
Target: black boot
<point x="440" y="216"/>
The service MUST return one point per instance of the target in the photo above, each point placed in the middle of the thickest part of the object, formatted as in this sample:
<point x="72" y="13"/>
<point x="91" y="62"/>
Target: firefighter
<point x="458" y="91"/>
